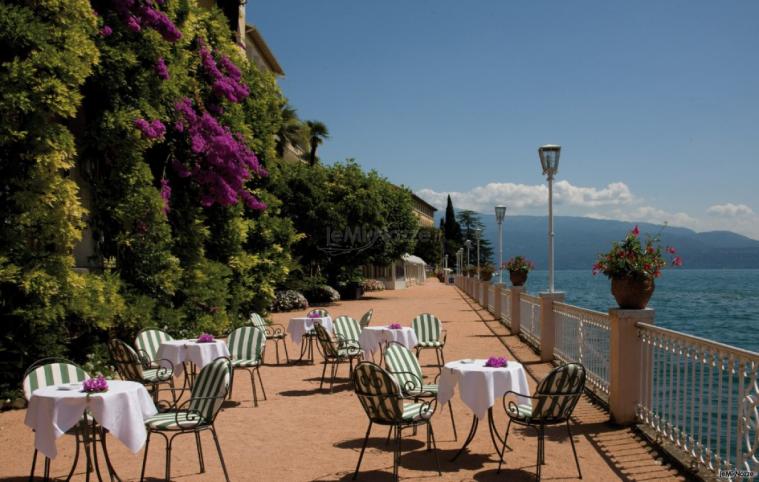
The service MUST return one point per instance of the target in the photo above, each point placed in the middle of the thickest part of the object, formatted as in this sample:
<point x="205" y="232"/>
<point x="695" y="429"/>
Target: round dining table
<point x="121" y="411"/>
<point x="301" y="325"/>
<point x="479" y="388"/>
<point x="373" y="338"/>
<point x="200" y="354"/>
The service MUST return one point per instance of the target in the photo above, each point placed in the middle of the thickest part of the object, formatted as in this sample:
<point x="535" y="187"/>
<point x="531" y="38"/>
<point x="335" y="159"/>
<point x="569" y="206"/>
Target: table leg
<point x="111" y="471"/>
<point x="469" y="438"/>
<point x="306" y="350"/>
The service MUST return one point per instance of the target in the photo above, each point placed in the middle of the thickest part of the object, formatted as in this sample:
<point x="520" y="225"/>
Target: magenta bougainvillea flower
<point x="150" y="129"/>
<point x="161" y="69"/>
<point x="496" y="362"/>
<point x="106" y="31"/>
<point x="139" y="14"/>
<point x="395" y="326"/>
<point x="165" y="195"/>
<point x="205" y="338"/>
<point x="95" y="385"/>
<point x="225" y="81"/>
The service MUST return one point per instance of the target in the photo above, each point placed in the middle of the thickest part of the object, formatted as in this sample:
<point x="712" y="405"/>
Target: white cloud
<point x="730" y="210"/>
<point x="649" y="214"/>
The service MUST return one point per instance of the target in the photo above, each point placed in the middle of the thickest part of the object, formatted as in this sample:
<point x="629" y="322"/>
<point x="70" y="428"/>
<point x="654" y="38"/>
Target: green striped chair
<point x="132" y="367"/>
<point x="404" y="367"/>
<point x="430" y="335"/>
<point x="367" y="318"/>
<point x="246" y="346"/>
<point x="553" y="402"/>
<point x="335" y="352"/>
<point x="347" y="330"/>
<point x="273" y="332"/>
<point x="47" y="372"/>
<point x="147" y="343"/>
<point x="384" y="404"/>
<point x="194" y="415"/>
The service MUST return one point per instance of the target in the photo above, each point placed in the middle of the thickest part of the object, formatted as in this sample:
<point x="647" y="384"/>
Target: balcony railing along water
<point x="491" y="299"/>
<point x="700" y="395"/>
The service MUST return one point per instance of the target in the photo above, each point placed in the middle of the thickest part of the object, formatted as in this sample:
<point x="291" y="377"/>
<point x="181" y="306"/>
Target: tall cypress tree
<point x="451" y="232"/>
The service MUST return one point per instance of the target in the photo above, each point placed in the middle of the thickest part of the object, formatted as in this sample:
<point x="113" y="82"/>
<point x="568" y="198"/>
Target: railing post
<point x="516" y="309"/>
<point x="626" y="363"/>
<point x="476" y="295"/>
<point x="485" y="287"/>
<point x="497" y="301"/>
<point x="547" y="325"/>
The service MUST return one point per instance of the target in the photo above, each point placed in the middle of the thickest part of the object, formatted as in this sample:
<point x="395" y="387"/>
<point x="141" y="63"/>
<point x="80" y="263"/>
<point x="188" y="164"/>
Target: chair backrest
<point x="427" y="327"/>
<point x="378" y="393"/>
<point x="246" y="343"/>
<point x="211" y="388"/>
<point x="51" y="371"/>
<point x="325" y="341"/>
<point x="128" y="363"/>
<point x="367" y="318"/>
<point x="258" y="321"/>
<point x="559" y="392"/>
<point x="148" y="341"/>
<point x="346" y="328"/>
<point x="404" y="367"/>
<point x="318" y="311"/>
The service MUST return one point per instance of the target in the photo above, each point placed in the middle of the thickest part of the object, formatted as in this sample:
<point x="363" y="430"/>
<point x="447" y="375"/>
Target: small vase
<point x="632" y="293"/>
<point x="518" y="278"/>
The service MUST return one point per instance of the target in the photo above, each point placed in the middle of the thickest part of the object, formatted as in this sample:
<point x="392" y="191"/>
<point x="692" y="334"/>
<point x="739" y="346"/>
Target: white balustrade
<point x="529" y="311"/>
<point x="506" y="307"/>
<point x="491" y="299"/>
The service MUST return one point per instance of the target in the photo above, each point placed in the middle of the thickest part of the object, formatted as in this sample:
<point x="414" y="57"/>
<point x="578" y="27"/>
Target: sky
<point x="654" y="102"/>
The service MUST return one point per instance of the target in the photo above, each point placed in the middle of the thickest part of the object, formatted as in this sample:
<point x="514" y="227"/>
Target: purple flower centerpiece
<point x="313" y="315"/>
<point x="395" y="326"/>
<point x="95" y="385"/>
<point x="496" y="362"/>
<point x="205" y="338"/>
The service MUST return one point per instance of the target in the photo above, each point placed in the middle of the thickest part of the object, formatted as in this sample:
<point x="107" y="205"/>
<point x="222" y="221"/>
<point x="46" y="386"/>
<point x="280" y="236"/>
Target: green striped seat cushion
<point x="521" y="411"/>
<point x="427" y="328"/>
<point x="148" y="342"/>
<point x="246" y="344"/>
<point x="347" y="329"/>
<point x="404" y="367"/>
<point x="416" y="411"/>
<point x="210" y="387"/>
<point x="568" y="380"/>
<point x="318" y="311"/>
<point x="173" y="421"/>
<point x="430" y="344"/>
<point x="54" y="373"/>
<point x="259" y="322"/>
<point x="152" y="374"/>
<point x="245" y="362"/>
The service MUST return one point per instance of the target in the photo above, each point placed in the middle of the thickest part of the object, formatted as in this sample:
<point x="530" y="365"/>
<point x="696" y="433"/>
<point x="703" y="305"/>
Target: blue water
<point x="721" y="305"/>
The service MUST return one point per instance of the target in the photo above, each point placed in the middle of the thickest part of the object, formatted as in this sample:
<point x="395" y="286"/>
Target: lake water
<point x="721" y="305"/>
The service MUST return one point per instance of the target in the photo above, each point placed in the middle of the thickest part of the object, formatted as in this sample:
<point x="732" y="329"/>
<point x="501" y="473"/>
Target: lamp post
<point x="477" y="233"/>
<point x="445" y="269"/>
<point x="460" y="260"/>
<point x="468" y="244"/>
<point x="549" y="161"/>
<point x="500" y="214"/>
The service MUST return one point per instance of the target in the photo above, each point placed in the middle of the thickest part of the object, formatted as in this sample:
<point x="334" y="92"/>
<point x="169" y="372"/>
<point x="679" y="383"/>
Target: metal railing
<point x="491" y="299"/>
<point x="583" y="336"/>
<point x="529" y="313"/>
<point x="506" y="307"/>
<point x="483" y="294"/>
<point x="702" y="396"/>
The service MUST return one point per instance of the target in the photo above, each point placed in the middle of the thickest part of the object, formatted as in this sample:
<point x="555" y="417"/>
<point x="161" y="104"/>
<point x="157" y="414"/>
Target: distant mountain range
<point x="578" y="241"/>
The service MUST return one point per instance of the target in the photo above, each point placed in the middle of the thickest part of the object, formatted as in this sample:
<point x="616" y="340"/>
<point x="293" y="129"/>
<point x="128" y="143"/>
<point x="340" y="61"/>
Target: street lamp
<point x="460" y="260"/>
<point x="468" y="244"/>
<point x="500" y="214"/>
<point x="549" y="161"/>
<point x="477" y="233"/>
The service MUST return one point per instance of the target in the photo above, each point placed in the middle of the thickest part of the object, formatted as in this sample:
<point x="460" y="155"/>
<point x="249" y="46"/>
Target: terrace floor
<point x="301" y="433"/>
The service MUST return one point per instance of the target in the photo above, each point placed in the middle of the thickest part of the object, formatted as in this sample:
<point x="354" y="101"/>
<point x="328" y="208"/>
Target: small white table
<point x="373" y="338"/>
<point x="479" y="388"/>
<point x="122" y="411"/>
<point x="200" y="354"/>
<point x="300" y="325"/>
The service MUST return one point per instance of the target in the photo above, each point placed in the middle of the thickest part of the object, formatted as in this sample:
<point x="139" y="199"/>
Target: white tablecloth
<point x="480" y="386"/>
<point x="373" y="337"/>
<point x="201" y="354"/>
<point x="300" y="325"/>
<point x="122" y="410"/>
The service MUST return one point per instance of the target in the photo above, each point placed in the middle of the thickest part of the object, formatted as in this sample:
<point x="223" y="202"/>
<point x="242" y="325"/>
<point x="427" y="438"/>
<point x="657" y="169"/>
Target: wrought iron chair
<point x="246" y="345"/>
<point x="132" y="367"/>
<point x="405" y="368"/>
<point x="554" y="401"/>
<point x="335" y="352"/>
<point x="366" y="319"/>
<point x="194" y="415"/>
<point x="147" y="342"/>
<point x="53" y="371"/>
<point x="347" y="330"/>
<point x="384" y="404"/>
<point x="430" y="335"/>
<point x="273" y="331"/>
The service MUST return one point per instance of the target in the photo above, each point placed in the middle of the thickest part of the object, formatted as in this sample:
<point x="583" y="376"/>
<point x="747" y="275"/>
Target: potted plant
<point x="632" y="266"/>
<point x="518" y="267"/>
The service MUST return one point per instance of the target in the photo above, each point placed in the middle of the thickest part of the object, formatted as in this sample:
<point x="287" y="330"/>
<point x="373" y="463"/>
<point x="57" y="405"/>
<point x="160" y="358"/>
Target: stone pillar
<point x="547" y="325"/>
<point x="516" y="311"/>
<point x="626" y="362"/>
<point x="476" y="291"/>
<point x="484" y="287"/>
<point x="497" y="301"/>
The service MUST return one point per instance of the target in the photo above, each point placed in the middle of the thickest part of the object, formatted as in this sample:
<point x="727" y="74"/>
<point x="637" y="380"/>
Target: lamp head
<point x="500" y="213"/>
<point x="477" y="233"/>
<point x="549" y="159"/>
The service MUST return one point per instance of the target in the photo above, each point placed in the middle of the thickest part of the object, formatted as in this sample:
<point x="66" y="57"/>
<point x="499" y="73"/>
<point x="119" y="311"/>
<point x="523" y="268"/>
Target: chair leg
<point x="284" y="344"/>
<point x="363" y="447"/>
<point x="47" y="469"/>
<point x="434" y="447"/>
<point x="503" y="450"/>
<point x="437" y="357"/>
<point x="76" y="458"/>
<point x="218" y="449"/>
<point x="453" y="422"/>
<point x="574" y="451"/>
<point x="324" y="372"/>
<point x="397" y="461"/>
<point x="145" y="457"/>
<point x="442" y="356"/>
<point x="258" y="371"/>
<point x="540" y="453"/>
<point x="335" y="366"/>
<point x="231" y="384"/>
<point x="200" y="453"/>
<point x="253" y="387"/>
<point x="168" y="458"/>
<point x="389" y="433"/>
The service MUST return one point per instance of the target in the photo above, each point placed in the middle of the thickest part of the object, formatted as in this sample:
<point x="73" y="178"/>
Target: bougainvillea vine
<point x="138" y="14"/>
<point x="150" y="129"/>
<point x="225" y="81"/>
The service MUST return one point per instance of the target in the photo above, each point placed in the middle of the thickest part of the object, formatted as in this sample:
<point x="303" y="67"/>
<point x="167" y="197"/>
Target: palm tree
<point x="317" y="132"/>
<point x="291" y="131"/>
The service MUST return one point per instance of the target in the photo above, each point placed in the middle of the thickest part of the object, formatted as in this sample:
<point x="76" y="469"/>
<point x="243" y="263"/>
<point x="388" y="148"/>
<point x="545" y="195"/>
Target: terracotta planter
<point x="632" y="293"/>
<point x="518" y="278"/>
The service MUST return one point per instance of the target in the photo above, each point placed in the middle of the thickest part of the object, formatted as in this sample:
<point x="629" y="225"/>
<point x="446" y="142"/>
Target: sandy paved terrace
<point x="301" y="434"/>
